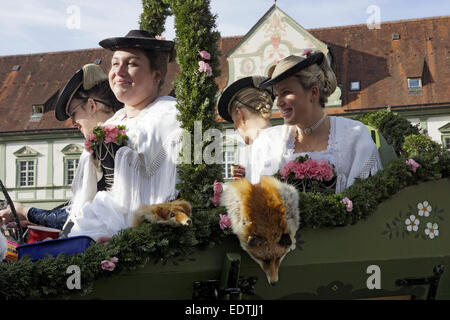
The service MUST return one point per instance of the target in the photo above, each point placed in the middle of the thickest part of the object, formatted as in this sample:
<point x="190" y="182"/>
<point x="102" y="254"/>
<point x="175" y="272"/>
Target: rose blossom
<point x="108" y="265"/>
<point x="87" y="145"/>
<point x="349" y="204"/>
<point x="204" y="67"/>
<point x="413" y="165"/>
<point x="111" y="134"/>
<point x="204" y="54"/>
<point x="224" y="222"/>
<point x="217" y="187"/>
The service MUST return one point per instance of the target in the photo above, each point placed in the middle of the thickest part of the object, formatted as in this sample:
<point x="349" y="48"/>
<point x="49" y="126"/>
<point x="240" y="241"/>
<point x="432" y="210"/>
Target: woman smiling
<point x="302" y="86"/>
<point x="144" y="170"/>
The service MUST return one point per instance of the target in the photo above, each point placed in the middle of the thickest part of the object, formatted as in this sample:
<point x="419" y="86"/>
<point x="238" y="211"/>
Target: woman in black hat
<point x="145" y="169"/>
<point x="88" y="100"/>
<point x="302" y="86"/>
<point x="249" y="109"/>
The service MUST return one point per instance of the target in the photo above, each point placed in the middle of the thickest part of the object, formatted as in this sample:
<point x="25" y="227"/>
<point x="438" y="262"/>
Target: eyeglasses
<point x="84" y="101"/>
<point x="75" y="108"/>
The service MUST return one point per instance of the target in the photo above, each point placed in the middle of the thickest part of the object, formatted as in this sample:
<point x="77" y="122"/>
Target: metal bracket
<point x="432" y="281"/>
<point x="230" y="286"/>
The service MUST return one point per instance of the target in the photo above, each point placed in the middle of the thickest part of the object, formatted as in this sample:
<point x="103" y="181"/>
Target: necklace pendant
<point x="307" y="131"/>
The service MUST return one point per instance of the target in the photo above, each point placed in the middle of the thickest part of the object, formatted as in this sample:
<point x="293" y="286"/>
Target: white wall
<point x="434" y="123"/>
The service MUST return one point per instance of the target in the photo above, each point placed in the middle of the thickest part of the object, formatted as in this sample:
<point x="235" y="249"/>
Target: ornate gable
<point x="26" y="152"/>
<point x="274" y="37"/>
<point x="72" y="149"/>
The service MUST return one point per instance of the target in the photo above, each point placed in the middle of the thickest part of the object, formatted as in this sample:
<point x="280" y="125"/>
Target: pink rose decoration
<point x="217" y="187"/>
<point x="160" y="38"/>
<point x="413" y="165"/>
<point x="204" y="54"/>
<point x="92" y="137"/>
<point x="204" y="67"/>
<point x="312" y="169"/>
<point x="87" y="145"/>
<point x="111" y="134"/>
<point x="224" y="222"/>
<point x="110" y="264"/>
<point x="307" y="52"/>
<point x="349" y="204"/>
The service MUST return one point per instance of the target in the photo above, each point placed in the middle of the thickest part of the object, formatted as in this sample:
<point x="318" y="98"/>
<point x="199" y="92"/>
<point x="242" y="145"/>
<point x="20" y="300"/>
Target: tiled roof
<point x="370" y="56"/>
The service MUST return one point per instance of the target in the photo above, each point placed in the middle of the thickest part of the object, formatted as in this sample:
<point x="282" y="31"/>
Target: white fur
<point x="231" y="199"/>
<point x="3" y="246"/>
<point x="290" y="197"/>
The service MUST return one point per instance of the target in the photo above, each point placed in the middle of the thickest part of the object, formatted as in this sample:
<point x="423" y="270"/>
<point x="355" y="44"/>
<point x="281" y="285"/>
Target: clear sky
<point x="32" y="26"/>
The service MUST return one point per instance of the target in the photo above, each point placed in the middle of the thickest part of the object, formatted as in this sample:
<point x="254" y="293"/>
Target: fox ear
<point x="255" y="241"/>
<point x="285" y="240"/>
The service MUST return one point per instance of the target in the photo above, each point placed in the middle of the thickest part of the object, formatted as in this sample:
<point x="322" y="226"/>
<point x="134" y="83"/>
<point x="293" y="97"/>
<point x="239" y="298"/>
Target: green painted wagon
<point x="379" y="258"/>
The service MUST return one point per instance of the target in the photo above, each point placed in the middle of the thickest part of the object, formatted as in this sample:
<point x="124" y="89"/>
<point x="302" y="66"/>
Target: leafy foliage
<point x="154" y="16"/>
<point x="196" y="92"/>
<point x="393" y="127"/>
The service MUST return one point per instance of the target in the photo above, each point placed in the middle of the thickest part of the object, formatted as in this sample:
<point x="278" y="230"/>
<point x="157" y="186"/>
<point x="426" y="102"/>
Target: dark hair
<point x="103" y="93"/>
<point x="158" y="61"/>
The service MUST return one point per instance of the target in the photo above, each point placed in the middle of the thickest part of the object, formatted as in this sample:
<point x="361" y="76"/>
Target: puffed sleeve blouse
<point x="350" y="149"/>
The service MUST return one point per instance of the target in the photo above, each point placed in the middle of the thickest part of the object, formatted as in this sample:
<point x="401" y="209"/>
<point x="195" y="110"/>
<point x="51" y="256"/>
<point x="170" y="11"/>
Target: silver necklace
<point x="308" y="131"/>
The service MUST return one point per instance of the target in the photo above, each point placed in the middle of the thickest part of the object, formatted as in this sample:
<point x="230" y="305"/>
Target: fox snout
<point x="269" y="256"/>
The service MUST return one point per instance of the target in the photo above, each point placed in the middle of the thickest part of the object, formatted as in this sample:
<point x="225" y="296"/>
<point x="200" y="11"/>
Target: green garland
<point x="196" y="92"/>
<point x="154" y="15"/>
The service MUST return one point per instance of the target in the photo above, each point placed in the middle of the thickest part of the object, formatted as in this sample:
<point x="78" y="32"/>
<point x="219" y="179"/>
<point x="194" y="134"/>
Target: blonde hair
<point x="321" y="75"/>
<point x="255" y="100"/>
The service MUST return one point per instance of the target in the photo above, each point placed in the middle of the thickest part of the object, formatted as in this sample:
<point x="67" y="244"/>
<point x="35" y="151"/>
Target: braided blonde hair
<point x="322" y="76"/>
<point x="255" y="100"/>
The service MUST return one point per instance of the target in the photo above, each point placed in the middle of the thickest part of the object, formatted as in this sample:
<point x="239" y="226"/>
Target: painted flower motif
<point x="424" y="209"/>
<point x="204" y="54"/>
<point x="412" y="223"/>
<point x="413" y="165"/>
<point x="109" y="265"/>
<point x="224" y="222"/>
<point x="204" y="67"/>
<point x="432" y="230"/>
<point x="349" y="204"/>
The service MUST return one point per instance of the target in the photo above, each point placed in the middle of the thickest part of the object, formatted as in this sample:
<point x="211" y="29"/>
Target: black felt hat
<point x="290" y="66"/>
<point x="224" y="104"/>
<point x="88" y="76"/>
<point x="137" y="39"/>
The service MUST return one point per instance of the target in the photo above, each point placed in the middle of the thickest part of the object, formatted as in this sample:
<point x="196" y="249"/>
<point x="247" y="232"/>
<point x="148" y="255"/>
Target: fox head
<point x="265" y="218"/>
<point x="177" y="212"/>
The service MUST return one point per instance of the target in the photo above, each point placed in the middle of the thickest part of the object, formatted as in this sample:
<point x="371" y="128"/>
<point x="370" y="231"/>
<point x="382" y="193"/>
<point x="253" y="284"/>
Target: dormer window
<point x="414" y="85"/>
<point x="38" y="109"/>
<point x="37" y="112"/>
<point x="355" y="86"/>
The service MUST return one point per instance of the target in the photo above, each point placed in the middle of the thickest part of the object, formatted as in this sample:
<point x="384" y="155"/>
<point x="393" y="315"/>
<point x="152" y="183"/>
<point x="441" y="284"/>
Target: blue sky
<point x="32" y="26"/>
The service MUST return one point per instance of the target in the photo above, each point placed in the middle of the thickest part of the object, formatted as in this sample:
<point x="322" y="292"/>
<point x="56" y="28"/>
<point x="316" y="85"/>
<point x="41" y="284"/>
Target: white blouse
<point x="350" y="149"/>
<point x="144" y="172"/>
